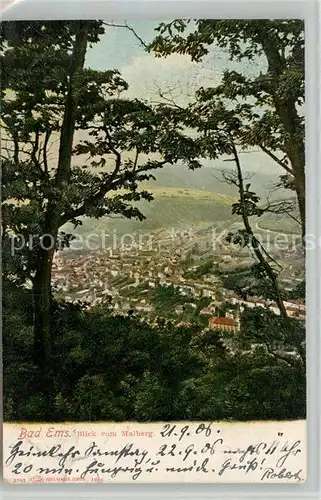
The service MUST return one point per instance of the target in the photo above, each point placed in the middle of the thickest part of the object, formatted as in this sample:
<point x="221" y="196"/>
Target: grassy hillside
<point x="209" y="179"/>
<point x="171" y="208"/>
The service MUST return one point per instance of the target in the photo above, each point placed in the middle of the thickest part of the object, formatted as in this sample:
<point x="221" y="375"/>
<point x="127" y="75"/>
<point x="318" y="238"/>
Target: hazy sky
<point x="120" y="49"/>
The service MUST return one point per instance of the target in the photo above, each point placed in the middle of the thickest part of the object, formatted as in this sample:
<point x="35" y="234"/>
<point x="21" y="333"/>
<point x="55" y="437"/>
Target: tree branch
<point x="276" y="159"/>
<point x="78" y="212"/>
<point x="71" y="103"/>
<point x="16" y="148"/>
<point x="169" y="100"/>
<point x="256" y="247"/>
<point x="114" y="25"/>
<point x="282" y="207"/>
<point x="33" y="154"/>
<point x="45" y="152"/>
<point x="135" y="160"/>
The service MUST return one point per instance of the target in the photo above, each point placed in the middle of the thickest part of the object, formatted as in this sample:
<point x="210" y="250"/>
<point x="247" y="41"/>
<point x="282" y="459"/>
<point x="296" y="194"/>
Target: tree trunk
<point x="42" y="280"/>
<point x="287" y="111"/>
<point x="258" y="251"/>
<point x="42" y="330"/>
<point x="255" y="243"/>
<point x="42" y="302"/>
<point x="299" y="180"/>
<point x="295" y="150"/>
<point x="72" y="98"/>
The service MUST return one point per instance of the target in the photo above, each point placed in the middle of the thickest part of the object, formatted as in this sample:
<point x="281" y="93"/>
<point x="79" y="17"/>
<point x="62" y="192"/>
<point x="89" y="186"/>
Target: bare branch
<point x="33" y="154"/>
<point x="136" y="160"/>
<point x="12" y="138"/>
<point x="276" y="159"/>
<point x="230" y="177"/>
<point x="16" y="148"/>
<point x="169" y="100"/>
<point x="126" y="26"/>
<point x="45" y="152"/>
<point x="282" y="207"/>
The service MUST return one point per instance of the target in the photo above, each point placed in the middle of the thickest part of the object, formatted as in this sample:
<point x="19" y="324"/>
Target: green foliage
<point x="262" y="109"/>
<point x="263" y="327"/>
<point x="248" y="281"/>
<point x="167" y="298"/>
<point x="48" y="94"/>
<point x="120" y="368"/>
<point x="299" y="292"/>
<point x="102" y="367"/>
<point x="248" y="205"/>
<point x="250" y="388"/>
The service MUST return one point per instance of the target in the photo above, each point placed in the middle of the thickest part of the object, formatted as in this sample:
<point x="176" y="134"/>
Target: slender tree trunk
<point x="255" y="243"/>
<point x="42" y="308"/>
<point x="42" y="280"/>
<point x="295" y="335"/>
<point x="42" y="331"/>
<point x="295" y="149"/>
<point x="4" y="265"/>
<point x="300" y="192"/>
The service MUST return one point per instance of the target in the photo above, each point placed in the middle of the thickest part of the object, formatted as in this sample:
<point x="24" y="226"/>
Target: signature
<point x="270" y="473"/>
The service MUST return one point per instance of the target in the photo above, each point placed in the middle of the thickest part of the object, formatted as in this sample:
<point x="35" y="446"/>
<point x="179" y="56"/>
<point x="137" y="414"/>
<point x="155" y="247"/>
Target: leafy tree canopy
<point x="265" y="109"/>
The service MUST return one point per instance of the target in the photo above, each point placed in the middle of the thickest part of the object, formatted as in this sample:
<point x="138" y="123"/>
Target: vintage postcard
<point x="153" y="251"/>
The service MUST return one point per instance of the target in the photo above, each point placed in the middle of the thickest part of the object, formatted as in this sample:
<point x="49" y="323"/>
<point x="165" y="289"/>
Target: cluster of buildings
<point x="124" y="280"/>
<point x="95" y="275"/>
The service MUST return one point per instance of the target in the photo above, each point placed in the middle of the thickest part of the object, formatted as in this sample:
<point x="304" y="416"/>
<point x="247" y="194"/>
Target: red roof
<point x="222" y="321"/>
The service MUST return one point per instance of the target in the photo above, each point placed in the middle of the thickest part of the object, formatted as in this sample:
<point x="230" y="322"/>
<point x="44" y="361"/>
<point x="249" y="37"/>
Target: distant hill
<point x="183" y="199"/>
<point x="209" y="179"/>
<point x="171" y="208"/>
